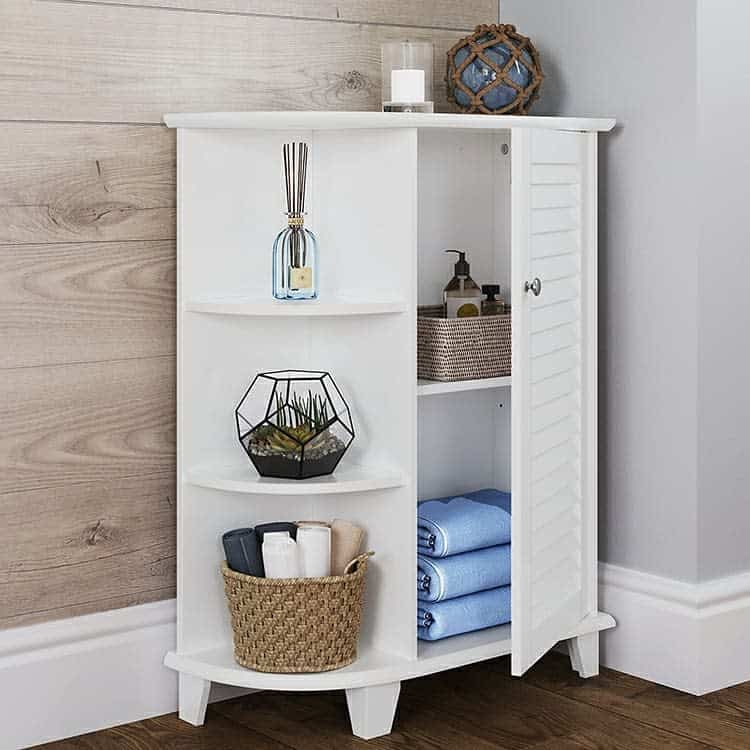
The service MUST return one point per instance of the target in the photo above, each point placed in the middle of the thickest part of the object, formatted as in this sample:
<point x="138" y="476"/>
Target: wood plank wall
<point x="87" y="257"/>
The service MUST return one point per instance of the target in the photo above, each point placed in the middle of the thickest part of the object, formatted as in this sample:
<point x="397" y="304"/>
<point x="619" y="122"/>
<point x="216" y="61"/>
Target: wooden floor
<point x="474" y="708"/>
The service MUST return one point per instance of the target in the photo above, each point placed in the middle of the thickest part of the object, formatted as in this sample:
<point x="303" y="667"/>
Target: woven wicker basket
<point x="296" y="624"/>
<point x="462" y="348"/>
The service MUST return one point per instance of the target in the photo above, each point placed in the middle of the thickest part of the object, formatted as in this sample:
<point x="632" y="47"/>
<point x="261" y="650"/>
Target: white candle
<point x="407" y="86"/>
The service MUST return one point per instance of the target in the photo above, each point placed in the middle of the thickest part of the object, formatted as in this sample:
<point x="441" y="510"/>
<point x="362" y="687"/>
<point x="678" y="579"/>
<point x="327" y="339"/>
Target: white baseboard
<point x="692" y="637"/>
<point x="69" y="677"/>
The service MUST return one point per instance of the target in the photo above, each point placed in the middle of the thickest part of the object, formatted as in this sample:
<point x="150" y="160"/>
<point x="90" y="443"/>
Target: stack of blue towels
<point x="463" y="564"/>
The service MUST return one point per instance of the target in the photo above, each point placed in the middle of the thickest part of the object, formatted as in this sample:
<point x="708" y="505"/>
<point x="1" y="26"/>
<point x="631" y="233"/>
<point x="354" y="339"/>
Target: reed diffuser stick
<point x="295" y="174"/>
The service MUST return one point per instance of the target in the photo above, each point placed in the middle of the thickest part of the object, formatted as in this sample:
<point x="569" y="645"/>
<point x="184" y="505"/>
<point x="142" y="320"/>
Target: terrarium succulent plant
<point x="294" y="424"/>
<point x="307" y="418"/>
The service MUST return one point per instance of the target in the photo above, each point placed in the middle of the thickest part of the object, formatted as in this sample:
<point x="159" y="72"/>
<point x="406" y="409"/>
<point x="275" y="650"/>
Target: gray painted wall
<point x="636" y="60"/>
<point x="723" y="276"/>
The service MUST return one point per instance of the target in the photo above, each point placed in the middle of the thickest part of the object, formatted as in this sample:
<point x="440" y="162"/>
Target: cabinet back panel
<point x="364" y="208"/>
<point x="232" y="206"/>
<point x="464" y="204"/>
<point x="390" y="600"/>
<point x="464" y="442"/>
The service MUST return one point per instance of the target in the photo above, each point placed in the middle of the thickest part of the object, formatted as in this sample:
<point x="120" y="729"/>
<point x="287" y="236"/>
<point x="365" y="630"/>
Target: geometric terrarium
<point x="294" y="424"/>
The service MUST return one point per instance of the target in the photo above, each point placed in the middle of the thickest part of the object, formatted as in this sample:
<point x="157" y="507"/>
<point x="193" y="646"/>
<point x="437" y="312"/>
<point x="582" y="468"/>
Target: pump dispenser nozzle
<point x="462" y="266"/>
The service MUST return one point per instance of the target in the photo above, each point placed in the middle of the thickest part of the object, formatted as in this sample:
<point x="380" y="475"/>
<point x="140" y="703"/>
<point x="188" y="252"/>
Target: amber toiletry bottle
<point x="462" y="298"/>
<point x="492" y="305"/>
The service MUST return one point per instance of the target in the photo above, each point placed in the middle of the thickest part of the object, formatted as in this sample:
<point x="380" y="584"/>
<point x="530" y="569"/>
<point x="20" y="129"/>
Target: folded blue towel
<point x="462" y="524"/>
<point x="463" y="614"/>
<point x="441" y="578"/>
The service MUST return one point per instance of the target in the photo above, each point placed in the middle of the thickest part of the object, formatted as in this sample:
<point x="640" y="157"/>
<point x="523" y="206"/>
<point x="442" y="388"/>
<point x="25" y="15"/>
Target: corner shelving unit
<point x="387" y="193"/>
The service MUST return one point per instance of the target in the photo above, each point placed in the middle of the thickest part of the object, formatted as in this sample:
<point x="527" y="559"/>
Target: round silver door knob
<point x="534" y="286"/>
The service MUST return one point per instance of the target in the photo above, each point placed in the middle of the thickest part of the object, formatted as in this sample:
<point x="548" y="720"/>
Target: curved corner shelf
<point x="243" y="478"/>
<point x="434" y="387"/>
<point x="257" y="307"/>
<point x="218" y="665"/>
<point x="372" y="667"/>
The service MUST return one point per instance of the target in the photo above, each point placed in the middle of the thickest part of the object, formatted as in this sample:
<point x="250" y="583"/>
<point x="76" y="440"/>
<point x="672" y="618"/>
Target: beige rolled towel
<point x="346" y="542"/>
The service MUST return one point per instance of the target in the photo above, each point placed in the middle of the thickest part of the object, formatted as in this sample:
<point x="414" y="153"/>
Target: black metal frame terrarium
<point x="294" y="424"/>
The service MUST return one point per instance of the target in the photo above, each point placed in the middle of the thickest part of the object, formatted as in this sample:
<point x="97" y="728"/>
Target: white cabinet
<point x="388" y="192"/>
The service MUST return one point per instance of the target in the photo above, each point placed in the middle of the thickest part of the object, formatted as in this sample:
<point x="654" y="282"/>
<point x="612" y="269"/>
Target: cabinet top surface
<point x="353" y="120"/>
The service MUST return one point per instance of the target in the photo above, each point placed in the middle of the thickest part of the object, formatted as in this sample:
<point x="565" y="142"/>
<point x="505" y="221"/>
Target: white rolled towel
<point x="280" y="555"/>
<point x="314" y="544"/>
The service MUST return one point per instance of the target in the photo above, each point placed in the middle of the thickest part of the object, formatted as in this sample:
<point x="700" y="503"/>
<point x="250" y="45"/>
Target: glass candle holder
<point x="407" y="76"/>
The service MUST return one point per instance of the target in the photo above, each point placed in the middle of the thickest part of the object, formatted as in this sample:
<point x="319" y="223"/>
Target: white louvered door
<point x="554" y="388"/>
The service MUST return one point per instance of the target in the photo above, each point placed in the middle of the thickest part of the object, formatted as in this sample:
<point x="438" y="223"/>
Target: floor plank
<point x="477" y="707"/>
<point x="721" y="718"/>
<point x="169" y="733"/>
<point x="328" y="727"/>
<point x="531" y="715"/>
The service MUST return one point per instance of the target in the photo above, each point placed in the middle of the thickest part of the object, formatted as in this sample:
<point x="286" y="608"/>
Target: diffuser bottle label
<point x="301" y="278"/>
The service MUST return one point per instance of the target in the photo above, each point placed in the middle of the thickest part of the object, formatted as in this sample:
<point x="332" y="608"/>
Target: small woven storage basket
<point x="462" y="348"/>
<point x="296" y="624"/>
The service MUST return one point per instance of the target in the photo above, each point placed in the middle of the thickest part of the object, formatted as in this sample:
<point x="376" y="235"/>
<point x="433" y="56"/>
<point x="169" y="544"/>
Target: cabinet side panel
<point x="590" y="376"/>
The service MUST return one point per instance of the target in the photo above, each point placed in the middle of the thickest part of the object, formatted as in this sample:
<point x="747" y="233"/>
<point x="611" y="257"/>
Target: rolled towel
<point x="346" y="542"/>
<point x="242" y="551"/>
<point x="269" y="528"/>
<point x="280" y="555"/>
<point x="463" y="614"/>
<point x="314" y="547"/>
<point x="440" y="578"/>
<point x="463" y="524"/>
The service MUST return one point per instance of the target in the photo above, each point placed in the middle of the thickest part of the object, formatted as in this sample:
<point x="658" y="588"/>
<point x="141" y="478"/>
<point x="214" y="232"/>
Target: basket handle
<point x="354" y="564"/>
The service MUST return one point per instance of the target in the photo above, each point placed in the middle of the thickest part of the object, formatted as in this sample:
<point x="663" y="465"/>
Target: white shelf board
<point x="243" y="478"/>
<point x="372" y="667"/>
<point x="434" y="387"/>
<point x="301" y="120"/>
<point x="449" y="653"/>
<point x="218" y="665"/>
<point x="293" y="308"/>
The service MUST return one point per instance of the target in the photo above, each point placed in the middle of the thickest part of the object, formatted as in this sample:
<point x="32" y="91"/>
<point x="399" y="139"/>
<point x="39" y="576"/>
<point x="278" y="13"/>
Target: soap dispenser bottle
<point x="462" y="298"/>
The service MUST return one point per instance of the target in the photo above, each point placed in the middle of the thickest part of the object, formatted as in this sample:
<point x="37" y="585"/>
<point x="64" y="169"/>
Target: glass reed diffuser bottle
<point x="295" y="251"/>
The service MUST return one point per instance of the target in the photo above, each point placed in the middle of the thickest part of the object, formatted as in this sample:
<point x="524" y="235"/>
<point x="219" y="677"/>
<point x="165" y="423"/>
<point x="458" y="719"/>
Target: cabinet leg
<point x="371" y="709"/>
<point x="584" y="654"/>
<point x="193" y="699"/>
